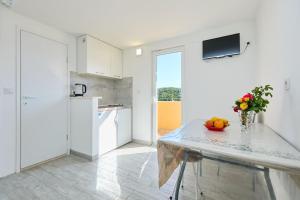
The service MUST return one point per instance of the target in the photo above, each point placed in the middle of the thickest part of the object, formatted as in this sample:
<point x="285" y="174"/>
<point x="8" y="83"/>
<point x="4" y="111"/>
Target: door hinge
<point x="67" y="136"/>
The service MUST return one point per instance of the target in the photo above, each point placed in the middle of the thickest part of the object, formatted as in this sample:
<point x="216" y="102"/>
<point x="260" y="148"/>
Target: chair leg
<point x="173" y="192"/>
<point x="182" y="181"/>
<point x="181" y="172"/>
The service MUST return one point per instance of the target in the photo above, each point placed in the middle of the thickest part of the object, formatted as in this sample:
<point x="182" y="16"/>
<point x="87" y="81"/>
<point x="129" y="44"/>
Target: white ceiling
<point x="126" y="23"/>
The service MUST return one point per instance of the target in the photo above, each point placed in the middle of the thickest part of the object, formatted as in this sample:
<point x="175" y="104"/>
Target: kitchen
<point x="85" y="88"/>
<point x="101" y="100"/>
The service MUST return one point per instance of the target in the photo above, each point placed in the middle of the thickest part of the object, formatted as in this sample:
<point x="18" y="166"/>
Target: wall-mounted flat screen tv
<point x="221" y="47"/>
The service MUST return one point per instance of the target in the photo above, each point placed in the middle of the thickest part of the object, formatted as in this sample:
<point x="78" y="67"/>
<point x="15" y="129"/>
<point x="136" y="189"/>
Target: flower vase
<point x="246" y="119"/>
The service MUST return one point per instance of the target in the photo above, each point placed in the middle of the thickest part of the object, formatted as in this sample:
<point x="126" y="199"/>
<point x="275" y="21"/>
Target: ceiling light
<point x="139" y="52"/>
<point x="7" y="3"/>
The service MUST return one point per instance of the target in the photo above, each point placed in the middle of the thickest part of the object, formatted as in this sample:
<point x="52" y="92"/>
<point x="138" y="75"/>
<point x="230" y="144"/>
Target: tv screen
<point x="221" y="47"/>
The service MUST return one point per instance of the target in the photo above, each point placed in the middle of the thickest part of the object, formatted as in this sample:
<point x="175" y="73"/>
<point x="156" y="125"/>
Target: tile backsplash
<point x="112" y="91"/>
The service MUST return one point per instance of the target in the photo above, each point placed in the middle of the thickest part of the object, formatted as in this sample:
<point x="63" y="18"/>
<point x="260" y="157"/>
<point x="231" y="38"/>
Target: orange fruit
<point x="213" y="119"/>
<point x="209" y="123"/>
<point x="226" y="123"/>
<point x="219" y="123"/>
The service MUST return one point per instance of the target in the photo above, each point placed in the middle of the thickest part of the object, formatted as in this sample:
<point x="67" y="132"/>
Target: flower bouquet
<point x="251" y="103"/>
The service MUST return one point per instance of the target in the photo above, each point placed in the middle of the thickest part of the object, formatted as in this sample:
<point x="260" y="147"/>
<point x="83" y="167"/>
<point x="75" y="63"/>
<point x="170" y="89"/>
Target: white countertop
<point x="103" y="108"/>
<point x="260" y="146"/>
<point x="85" y="97"/>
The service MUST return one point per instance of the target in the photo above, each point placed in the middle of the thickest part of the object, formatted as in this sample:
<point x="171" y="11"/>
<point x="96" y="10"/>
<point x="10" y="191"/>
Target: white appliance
<point x="80" y="89"/>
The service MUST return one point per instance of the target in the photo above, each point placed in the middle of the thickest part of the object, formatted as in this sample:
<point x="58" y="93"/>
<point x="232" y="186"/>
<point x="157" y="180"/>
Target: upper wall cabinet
<point x="98" y="58"/>
<point x="116" y="63"/>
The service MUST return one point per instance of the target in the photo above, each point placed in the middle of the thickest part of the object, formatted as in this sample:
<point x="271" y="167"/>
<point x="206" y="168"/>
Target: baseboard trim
<point x="43" y="162"/>
<point x="143" y="142"/>
<point x="82" y="155"/>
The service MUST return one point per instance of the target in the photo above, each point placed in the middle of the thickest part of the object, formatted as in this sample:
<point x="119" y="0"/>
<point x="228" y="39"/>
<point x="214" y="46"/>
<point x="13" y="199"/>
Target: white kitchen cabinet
<point x="124" y="126"/>
<point x="98" y="58"/>
<point x="114" y="128"/>
<point x="107" y="130"/>
<point x="116" y="63"/>
<point x="97" y="131"/>
<point x="85" y="126"/>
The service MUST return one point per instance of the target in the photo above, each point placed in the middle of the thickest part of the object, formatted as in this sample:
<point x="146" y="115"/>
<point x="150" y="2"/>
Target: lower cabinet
<point x="123" y="127"/>
<point x="95" y="132"/>
<point x="85" y="127"/>
<point x="114" y="128"/>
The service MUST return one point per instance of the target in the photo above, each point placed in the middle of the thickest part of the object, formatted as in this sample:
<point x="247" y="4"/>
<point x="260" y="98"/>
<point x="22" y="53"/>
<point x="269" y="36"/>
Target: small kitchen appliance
<point x="80" y="89"/>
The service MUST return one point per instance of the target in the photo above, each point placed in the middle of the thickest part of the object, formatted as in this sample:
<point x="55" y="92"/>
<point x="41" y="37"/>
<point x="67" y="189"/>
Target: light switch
<point x="287" y="84"/>
<point x="8" y="91"/>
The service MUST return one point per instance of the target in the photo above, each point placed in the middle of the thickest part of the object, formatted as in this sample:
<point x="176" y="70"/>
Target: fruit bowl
<point x="212" y="128"/>
<point x="216" y="124"/>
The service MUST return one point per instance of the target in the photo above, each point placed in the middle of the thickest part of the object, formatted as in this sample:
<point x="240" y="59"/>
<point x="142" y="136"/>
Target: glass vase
<point x="246" y="120"/>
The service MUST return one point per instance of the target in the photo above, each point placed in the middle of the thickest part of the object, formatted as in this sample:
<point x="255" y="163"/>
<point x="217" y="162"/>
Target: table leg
<point x="181" y="172"/>
<point x="269" y="183"/>
<point x="200" y="167"/>
<point x="253" y="181"/>
<point x="199" y="173"/>
<point x="197" y="181"/>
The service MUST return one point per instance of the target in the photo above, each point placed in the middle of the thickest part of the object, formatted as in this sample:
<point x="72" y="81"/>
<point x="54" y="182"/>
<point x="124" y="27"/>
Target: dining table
<point x="258" y="148"/>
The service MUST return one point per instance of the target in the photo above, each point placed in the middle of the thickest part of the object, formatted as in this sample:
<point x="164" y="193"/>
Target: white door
<point x="44" y="92"/>
<point x="167" y="74"/>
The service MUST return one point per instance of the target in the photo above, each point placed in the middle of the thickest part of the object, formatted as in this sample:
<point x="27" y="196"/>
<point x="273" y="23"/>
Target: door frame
<point x="156" y="53"/>
<point x="19" y="30"/>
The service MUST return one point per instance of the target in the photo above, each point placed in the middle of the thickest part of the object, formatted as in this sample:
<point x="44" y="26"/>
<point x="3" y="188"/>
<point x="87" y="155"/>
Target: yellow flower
<point x="240" y="100"/>
<point x="244" y="106"/>
<point x="246" y="99"/>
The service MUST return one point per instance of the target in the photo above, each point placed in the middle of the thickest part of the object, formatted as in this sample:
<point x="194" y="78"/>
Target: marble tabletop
<point x="259" y="146"/>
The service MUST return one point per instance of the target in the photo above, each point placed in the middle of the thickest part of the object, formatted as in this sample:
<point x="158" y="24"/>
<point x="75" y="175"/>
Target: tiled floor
<point x="129" y="173"/>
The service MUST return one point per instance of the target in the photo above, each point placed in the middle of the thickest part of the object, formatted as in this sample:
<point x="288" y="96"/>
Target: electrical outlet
<point x="287" y="84"/>
<point x="8" y="91"/>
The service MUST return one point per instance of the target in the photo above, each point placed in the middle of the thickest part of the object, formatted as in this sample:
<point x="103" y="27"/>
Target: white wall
<point x="278" y="41"/>
<point x="209" y="87"/>
<point x="8" y="23"/>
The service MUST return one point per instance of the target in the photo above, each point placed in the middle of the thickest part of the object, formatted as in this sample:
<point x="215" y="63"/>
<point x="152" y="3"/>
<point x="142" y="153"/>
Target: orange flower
<point x="246" y="99"/>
